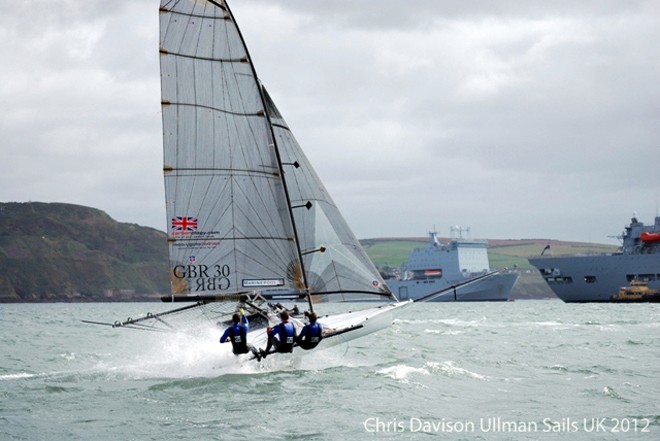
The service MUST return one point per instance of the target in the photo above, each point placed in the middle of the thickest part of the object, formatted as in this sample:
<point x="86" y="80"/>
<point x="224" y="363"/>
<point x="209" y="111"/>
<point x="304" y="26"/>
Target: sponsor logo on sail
<point x="251" y="283"/>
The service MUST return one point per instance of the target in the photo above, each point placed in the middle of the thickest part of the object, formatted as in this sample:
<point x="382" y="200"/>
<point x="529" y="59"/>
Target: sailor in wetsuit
<point x="281" y="336"/>
<point x="237" y="335"/>
<point x="311" y="334"/>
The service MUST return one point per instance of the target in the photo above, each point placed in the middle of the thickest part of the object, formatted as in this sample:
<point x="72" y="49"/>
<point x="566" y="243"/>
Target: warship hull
<point x="598" y="278"/>
<point x="579" y="279"/>
<point x="496" y="288"/>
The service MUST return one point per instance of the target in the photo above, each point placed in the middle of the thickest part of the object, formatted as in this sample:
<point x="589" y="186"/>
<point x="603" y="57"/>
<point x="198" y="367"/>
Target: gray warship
<point x="596" y="278"/>
<point x="442" y="265"/>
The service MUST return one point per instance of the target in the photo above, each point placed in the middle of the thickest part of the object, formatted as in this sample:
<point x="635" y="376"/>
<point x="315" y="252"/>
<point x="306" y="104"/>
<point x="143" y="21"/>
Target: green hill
<point x="508" y="253"/>
<point x="64" y="252"/>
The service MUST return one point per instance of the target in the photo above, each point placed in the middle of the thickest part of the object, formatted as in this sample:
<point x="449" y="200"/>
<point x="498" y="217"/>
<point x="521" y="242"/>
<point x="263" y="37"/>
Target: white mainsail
<point x="245" y="209"/>
<point x="225" y="198"/>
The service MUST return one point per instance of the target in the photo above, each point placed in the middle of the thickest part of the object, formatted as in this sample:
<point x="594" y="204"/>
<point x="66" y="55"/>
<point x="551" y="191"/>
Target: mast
<point x="280" y="166"/>
<point x="286" y="192"/>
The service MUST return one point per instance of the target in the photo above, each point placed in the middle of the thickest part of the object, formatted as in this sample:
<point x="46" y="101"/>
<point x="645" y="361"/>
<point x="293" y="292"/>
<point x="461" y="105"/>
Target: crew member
<point x="311" y="334"/>
<point x="281" y="336"/>
<point x="237" y="335"/>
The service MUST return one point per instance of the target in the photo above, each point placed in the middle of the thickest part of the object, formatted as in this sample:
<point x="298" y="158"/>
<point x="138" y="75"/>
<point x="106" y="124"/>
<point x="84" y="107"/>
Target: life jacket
<point x="311" y="336"/>
<point x="238" y="339"/>
<point x="287" y="335"/>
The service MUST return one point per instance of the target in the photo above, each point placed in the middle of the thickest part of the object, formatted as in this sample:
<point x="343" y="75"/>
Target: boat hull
<point x="351" y="325"/>
<point x="579" y="279"/>
<point x="371" y="320"/>
<point x="496" y="288"/>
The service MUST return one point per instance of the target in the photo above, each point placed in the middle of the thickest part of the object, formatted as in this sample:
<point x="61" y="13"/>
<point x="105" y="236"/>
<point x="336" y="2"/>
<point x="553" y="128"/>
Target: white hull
<point x="354" y="324"/>
<point x="372" y="320"/>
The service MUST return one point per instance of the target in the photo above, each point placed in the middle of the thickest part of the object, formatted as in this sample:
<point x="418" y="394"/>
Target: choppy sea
<point x="523" y="370"/>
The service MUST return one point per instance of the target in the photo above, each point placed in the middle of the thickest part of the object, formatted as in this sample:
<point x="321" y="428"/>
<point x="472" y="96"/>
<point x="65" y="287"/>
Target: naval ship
<point x="441" y="265"/>
<point x="596" y="278"/>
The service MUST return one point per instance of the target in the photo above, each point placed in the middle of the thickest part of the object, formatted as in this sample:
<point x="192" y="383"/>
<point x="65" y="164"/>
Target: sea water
<point x="523" y="370"/>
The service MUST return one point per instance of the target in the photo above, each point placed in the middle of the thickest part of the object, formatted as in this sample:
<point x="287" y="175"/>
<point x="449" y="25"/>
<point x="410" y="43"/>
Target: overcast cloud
<point x="517" y="119"/>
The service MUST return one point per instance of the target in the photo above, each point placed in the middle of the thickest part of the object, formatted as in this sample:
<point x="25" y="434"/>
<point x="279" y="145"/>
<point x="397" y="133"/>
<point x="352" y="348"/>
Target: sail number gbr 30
<point x="203" y="278"/>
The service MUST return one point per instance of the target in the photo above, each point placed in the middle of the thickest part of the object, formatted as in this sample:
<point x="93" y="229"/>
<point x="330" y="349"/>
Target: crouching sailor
<point x="311" y="333"/>
<point x="281" y="336"/>
<point x="237" y="335"/>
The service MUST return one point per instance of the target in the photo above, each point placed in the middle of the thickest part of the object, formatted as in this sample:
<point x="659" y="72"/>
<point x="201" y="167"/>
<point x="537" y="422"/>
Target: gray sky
<point x="518" y="119"/>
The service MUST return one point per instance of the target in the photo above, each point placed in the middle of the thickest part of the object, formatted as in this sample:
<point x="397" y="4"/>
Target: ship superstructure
<point x="439" y="265"/>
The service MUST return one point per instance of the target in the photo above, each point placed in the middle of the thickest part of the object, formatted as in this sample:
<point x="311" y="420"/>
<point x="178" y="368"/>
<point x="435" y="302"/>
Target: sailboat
<point x="249" y="221"/>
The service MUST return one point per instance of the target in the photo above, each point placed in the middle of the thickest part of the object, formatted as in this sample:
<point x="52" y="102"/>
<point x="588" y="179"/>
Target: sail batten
<point x="224" y="17"/>
<point x="208" y="171"/>
<point x="239" y="238"/>
<point x="219" y="60"/>
<point x="257" y="113"/>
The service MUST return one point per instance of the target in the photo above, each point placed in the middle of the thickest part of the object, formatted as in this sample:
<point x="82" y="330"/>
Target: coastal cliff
<point x="62" y="252"/>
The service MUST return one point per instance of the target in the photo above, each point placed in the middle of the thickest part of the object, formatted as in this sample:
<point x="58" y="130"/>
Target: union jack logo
<point x="184" y="223"/>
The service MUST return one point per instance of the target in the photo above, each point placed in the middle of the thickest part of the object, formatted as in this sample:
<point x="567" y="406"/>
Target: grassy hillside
<point x="390" y="252"/>
<point x="501" y="253"/>
<point x="64" y="252"/>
